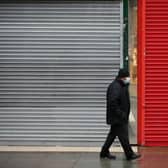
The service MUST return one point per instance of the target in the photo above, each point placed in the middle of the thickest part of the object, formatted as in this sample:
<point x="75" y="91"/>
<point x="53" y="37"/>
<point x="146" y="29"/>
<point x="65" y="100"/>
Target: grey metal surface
<point x="56" y="60"/>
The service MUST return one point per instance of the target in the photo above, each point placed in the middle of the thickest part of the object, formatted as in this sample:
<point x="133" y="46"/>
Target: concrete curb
<point x="56" y="149"/>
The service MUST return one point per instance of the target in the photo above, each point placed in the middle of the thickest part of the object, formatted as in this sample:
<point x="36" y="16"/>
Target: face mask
<point x="126" y="80"/>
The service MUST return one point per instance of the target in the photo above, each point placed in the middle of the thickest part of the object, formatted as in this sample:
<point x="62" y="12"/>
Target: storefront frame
<point x="141" y="71"/>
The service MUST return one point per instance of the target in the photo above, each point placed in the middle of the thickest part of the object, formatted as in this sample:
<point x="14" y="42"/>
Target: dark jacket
<point x="118" y="103"/>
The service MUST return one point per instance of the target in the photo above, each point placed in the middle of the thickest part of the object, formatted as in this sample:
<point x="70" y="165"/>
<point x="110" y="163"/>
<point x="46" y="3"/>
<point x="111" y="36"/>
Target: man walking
<point x="117" y="116"/>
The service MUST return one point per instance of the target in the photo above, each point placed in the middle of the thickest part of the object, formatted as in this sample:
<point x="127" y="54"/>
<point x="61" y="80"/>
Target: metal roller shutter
<point x="156" y="73"/>
<point x="56" y="60"/>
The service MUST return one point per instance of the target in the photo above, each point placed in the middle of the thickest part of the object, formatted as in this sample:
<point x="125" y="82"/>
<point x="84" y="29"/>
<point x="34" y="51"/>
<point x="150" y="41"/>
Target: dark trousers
<point x="122" y="132"/>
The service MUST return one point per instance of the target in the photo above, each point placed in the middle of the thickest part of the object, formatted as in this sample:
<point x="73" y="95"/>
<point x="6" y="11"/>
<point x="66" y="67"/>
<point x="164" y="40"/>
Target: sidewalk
<point x="151" y="158"/>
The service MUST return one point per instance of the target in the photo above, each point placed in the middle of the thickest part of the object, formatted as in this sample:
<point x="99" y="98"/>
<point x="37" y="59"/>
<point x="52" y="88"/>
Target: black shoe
<point x="134" y="156"/>
<point x="107" y="156"/>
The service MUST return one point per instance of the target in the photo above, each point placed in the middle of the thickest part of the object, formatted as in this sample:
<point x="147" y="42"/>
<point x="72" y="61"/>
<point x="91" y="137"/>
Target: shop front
<point x="153" y="72"/>
<point x="56" y="61"/>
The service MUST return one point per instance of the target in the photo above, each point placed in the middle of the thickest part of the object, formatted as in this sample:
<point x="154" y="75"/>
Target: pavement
<point x="152" y="157"/>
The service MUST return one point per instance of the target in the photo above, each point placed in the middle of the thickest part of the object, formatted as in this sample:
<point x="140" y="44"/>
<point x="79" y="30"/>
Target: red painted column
<point x="141" y="71"/>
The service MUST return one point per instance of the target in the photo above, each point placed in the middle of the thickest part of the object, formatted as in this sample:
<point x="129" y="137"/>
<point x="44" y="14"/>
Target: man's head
<point x="124" y="75"/>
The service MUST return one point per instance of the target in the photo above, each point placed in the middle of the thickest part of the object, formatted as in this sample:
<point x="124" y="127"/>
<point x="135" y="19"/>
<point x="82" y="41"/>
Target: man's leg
<point x="124" y="139"/>
<point x="109" y="140"/>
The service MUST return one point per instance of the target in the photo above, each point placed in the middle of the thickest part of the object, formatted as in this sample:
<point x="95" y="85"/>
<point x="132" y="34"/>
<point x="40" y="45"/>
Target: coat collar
<point x="121" y="82"/>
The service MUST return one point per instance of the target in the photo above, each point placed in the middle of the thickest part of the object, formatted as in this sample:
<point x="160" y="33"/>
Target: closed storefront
<point x="56" y="61"/>
<point x="153" y="72"/>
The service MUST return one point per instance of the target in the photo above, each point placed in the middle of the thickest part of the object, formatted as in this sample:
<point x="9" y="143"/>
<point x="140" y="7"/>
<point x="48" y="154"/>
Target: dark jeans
<point x="122" y="132"/>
